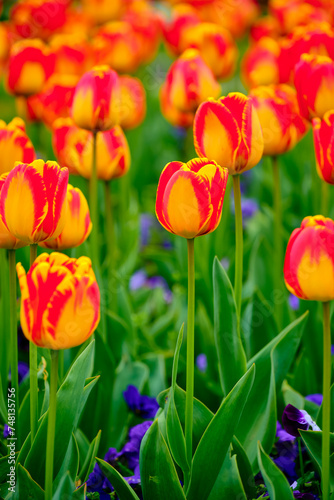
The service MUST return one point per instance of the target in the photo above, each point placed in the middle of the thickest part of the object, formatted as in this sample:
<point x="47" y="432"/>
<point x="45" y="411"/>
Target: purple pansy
<point x="140" y="280"/>
<point x="143" y="406"/>
<point x="294" y="419"/>
<point x="249" y="207"/>
<point x="293" y="302"/>
<point x="315" y="398"/>
<point x="202" y="362"/>
<point x="6" y="432"/>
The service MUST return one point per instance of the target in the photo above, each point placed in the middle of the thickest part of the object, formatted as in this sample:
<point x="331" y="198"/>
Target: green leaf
<point x="245" y="468"/>
<point x="312" y="441"/>
<point x="231" y="354"/>
<point x="26" y="488"/>
<point x="88" y="464"/>
<point x="211" y="451"/>
<point x="277" y="484"/>
<point x="228" y="483"/>
<point x="65" y="488"/>
<point x="70" y="464"/>
<point x="159" y="478"/>
<point x="122" y="488"/>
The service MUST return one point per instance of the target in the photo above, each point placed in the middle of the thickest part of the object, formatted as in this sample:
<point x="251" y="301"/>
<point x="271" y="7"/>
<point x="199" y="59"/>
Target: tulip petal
<point x="55" y="180"/>
<point x="166" y="174"/>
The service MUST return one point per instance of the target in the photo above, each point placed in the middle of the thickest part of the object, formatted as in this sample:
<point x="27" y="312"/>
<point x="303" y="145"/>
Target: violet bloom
<point x="249" y="207"/>
<point x="293" y="302"/>
<point x="144" y="406"/>
<point x="315" y="398"/>
<point x="294" y="419"/>
<point x="6" y="432"/>
<point x="287" y="452"/>
<point x="202" y="362"/>
<point x="140" y="280"/>
<point x="146" y="224"/>
<point x="131" y="449"/>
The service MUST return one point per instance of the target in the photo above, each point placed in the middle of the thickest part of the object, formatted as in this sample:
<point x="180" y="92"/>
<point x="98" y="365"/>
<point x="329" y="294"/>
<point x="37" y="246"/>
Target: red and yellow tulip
<point x="33" y="200"/>
<point x="60" y="301"/>
<point x="183" y="17"/>
<point x="97" y="100"/>
<point x="15" y="145"/>
<point x="190" y="197"/>
<point x="173" y="115"/>
<point x="309" y="260"/>
<point x="229" y="132"/>
<point x="74" y="55"/>
<point x="102" y="11"/>
<point x="133" y="99"/>
<point x="323" y="135"/>
<point x="77" y="226"/>
<point x="7" y="240"/>
<point x="279" y="115"/>
<point x="260" y="64"/>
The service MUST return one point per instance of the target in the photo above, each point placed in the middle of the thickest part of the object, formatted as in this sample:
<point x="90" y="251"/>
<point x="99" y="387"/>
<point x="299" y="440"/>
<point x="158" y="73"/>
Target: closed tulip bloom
<point x="260" y="64"/>
<point x="15" y="145"/>
<point x="266" y="26"/>
<point x="77" y="226"/>
<point x="7" y="240"/>
<point x="33" y="200"/>
<point x="102" y="11"/>
<point x="229" y="132"/>
<point x="314" y="82"/>
<point x="323" y="135"/>
<point x="190" y="197"/>
<point x="73" y="54"/>
<point x="293" y="13"/>
<point x="31" y="63"/>
<point x="183" y="16"/>
<point x="173" y="115"/>
<point x="309" y="260"/>
<point x="96" y="101"/>
<point x="60" y="301"/>
<point x="190" y="81"/>
<point x="133" y="98"/>
<point x="279" y="115"/>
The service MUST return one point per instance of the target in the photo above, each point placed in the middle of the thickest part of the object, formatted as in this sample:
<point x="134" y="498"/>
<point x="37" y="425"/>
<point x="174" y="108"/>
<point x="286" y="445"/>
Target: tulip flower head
<point x="260" y="64"/>
<point x="228" y="131"/>
<point x="323" y="135"/>
<point x="8" y="240"/>
<point x="77" y="225"/>
<point x="60" y="301"/>
<point x="97" y="100"/>
<point x="33" y="200"/>
<point x="309" y="260"/>
<point x="279" y="115"/>
<point x="190" y="197"/>
<point x="15" y="145"/>
<point x="133" y="99"/>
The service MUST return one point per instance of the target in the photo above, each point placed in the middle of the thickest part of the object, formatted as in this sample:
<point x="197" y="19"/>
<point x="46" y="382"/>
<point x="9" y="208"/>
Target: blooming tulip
<point x="309" y="263"/>
<point x="229" y="132"/>
<point x="8" y="240"/>
<point x="73" y="148"/>
<point x="60" y="301"/>
<point x="133" y="99"/>
<point x="77" y="226"/>
<point x="15" y="145"/>
<point x="279" y="115"/>
<point x="323" y="135"/>
<point x="314" y="81"/>
<point x="33" y="200"/>
<point x="190" y="197"/>
<point x="96" y="101"/>
<point x="31" y="63"/>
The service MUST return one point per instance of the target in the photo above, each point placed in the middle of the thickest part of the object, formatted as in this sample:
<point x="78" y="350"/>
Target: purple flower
<point x="23" y="370"/>
<point x="332" y="350"/>
<point x="95" y="483"/>
<point x="131" y="449"/>
<point x="293" y="302"/>
<point x="140" y="280"/>
<point x="146" y="223"/>
<point x="282" y="435"/>
<point x="249" y="207"/>
<point x="294" y="419"/>
<point x="6" y="431"/>
<point x="304" y="496"/>
<point x="315" y="398"/>
<point x="202" y="362"/>
<point x="225" y="262"/>
<point x="144" y="406"/>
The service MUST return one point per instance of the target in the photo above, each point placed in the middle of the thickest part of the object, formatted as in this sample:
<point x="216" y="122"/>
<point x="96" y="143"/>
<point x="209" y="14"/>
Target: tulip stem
<point x="238" y="243"/>
<point x="324" y="198"/>
<point x="33" y="369"/>
<point x="13" y="334"/>
<point x="278" y="243"/>
<point x="111" y="244"/>
<point x="326" y="404"/>
<point x="190" y="355"/>
<point x="93" y="204"/>
<point x="50" y="441"/>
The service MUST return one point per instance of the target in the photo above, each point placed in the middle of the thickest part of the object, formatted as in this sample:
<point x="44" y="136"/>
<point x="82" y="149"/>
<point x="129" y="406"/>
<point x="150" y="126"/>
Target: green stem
<point x="326" y="404"/>
<point x="33" y="370"/>
<point x="61" y="366"/>
<point x="111" y="245"/>
<point x="190" y="355"/>
<point x="301" y="463"/>
<point x="278" y="239"/>
<point x="50" y="442"/>
<point x="13" y="334"/>
<point x="93" y="204"/>
<point x="238" y="243"/>
<point x="324" y="198"/>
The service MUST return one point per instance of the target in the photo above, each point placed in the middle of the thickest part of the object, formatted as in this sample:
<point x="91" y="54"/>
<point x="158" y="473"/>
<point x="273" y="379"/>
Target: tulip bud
<point x="323" y="135"/>
<point x="33" y="200"/>
<point x="102" y="11"/>
<point x="133" y="98"/>
<point x="96" y="101"/>
<point x="60" y="301"/>
<point x="183" y="16"/>
<point x="73" y="54"/>
<point x="31" y="64"/>
<point x="309" y="263"/>
<point x="229" y="132"/>
<point x="8" y="240"/>
<point x="15" y="145"/>
<point x="260" y="64"/>
<point x="173" y="115"/>
<point x="279" y="115"/>
<point x="190" y="197"/>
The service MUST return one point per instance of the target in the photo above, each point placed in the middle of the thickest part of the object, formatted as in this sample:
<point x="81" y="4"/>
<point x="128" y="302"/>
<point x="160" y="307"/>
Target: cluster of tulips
<point x="70" y="66"/>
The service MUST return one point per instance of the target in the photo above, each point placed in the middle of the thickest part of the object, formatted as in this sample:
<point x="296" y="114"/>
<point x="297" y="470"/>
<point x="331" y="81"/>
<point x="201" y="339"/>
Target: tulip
<point x="189" y="82"/>
<point x="266" y="26"/>
<point x="96" y="101"/>
<point x="279" y="115"/>
<point x="173" y="115"/>
<point x="183" y="16"/>
<point x="31" y="63"/>
<point x="33" y="201"/>
<point x="73" y="54"/>
<point x="323" y="135"/>
<point x="190" y="197"/>
<point x="260" y="64"/>
<point x="102" y="11"/>
<point x="77" y="226"/>
<point x="8" y="240"/>
<point x="314" y="81"/>
<point x="295" y="13"/>
<point x="15" y="145"/>
<point x="133" y="99"/>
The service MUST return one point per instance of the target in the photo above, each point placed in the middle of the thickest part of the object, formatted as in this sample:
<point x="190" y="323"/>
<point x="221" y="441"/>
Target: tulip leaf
<point x="228" y="483"/>
<point x="88" y="464"/>
<point x="244" y="468"/>
<point x="65" y="488"/>
<point x="231" y="354"/>
<point x="312" y="441"/>
<point x="26" y="487"/>
<point x="211" y="451"/>
<point x="277" y="484"/>
<point x="122" y="488"/>
<point x="70" y="463"/>
<point x="159" y="478"/>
